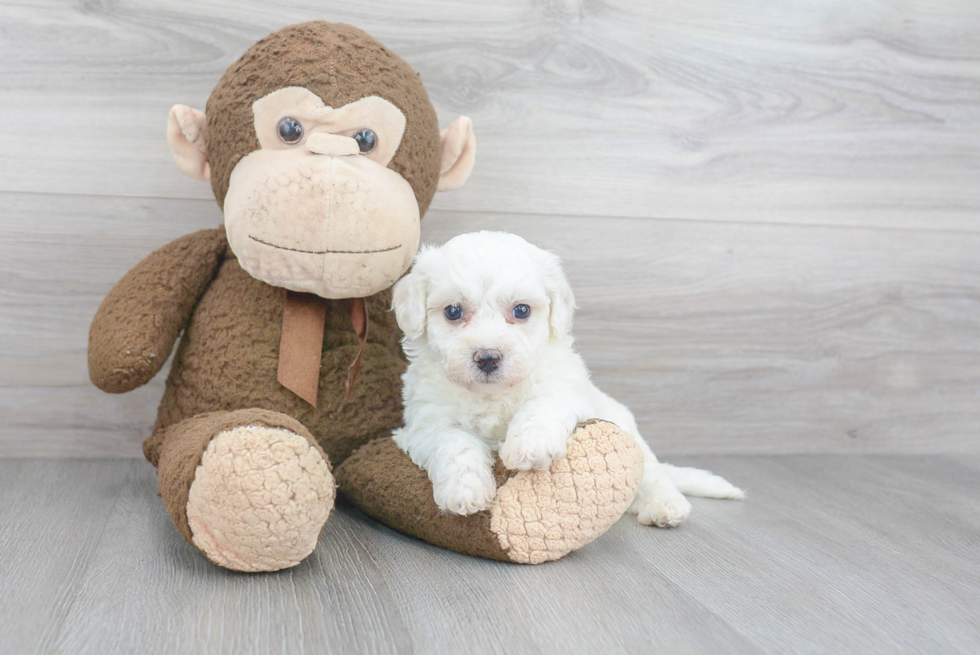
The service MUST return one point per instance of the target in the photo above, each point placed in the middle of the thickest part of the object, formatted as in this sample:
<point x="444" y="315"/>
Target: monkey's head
<point x="324" y="152"/>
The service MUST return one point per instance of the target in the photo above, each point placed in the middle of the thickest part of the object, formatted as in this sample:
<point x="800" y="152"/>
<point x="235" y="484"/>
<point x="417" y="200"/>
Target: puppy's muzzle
<point x="487" y="361"/>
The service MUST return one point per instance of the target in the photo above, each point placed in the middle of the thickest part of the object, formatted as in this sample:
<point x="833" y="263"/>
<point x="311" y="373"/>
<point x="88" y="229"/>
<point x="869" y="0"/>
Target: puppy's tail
<point x="701" y="483"/>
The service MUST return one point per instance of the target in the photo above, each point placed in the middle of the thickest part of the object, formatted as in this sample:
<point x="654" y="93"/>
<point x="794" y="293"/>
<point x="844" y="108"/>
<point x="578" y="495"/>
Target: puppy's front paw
<point x="664" y="510"/>
<point x="533" y="443"/>
<point x="464" y="489"/>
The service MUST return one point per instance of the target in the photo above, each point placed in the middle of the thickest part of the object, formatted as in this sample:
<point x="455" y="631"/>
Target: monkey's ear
<point x="458" y="154"/>
<point x="185" y="133"/>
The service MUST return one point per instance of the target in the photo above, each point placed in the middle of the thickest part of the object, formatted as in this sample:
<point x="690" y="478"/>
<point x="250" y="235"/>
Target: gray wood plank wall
<point x="769" y="210"/>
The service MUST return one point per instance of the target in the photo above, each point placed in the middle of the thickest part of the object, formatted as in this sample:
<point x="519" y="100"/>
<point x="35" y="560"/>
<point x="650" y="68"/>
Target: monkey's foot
<point x="250" y="489"/>
<point x="544" y="515"/>
<point x="536" y="515"/>
<point x="259" y="499"/>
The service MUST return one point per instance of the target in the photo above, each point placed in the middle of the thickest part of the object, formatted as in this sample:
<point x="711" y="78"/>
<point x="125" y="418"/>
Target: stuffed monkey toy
<point x="323" y="151"/>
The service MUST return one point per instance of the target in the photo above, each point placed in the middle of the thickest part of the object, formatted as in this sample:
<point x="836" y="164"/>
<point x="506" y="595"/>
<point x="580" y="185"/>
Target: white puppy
<point x="487" y="320"/>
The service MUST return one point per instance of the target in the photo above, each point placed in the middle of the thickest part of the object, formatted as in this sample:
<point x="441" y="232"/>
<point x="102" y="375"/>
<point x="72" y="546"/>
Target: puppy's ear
<point x="561" y="296"/>
<point x="408" y="301"/>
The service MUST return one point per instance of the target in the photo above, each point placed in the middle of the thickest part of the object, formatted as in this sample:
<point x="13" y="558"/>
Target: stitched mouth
<point x="325" y="252"/>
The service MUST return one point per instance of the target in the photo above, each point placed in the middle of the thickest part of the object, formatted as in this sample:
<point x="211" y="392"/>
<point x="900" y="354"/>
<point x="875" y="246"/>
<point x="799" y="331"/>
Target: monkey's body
<point x="223" y="380"/>
<point x="228" y="356"/>
<point x="323" y="151"/>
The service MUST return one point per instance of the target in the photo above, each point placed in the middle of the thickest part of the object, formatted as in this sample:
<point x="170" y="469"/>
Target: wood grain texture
<point x="52" y="517"/>
<point x="845" y="554"/>
<point x="768" y="212"/>
<point x="722" y="338"/>
<point x="830" y="112"/>
<point x="828" y="554"/>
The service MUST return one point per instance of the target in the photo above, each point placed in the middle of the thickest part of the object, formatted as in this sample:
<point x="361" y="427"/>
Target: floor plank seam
<point x="623" y="217"/>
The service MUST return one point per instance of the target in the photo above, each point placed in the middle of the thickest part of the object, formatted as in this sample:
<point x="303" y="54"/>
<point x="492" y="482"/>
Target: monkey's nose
<point x="324" y="143"/>
<point x="487" y="361"/>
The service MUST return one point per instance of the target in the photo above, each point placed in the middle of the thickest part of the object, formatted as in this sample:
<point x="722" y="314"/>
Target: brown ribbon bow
<point x="301" y="343"/>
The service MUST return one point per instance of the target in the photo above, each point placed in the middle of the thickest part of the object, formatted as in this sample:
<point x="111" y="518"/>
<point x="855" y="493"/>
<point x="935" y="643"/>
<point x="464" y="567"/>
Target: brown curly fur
<point x="227" y="359"/>
<point x="229" y="354"/>
<point x="339" y="63"/>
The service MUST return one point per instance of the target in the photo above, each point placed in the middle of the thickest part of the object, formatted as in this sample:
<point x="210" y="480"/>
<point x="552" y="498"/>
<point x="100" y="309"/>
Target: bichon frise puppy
<point x="487" y="319"/>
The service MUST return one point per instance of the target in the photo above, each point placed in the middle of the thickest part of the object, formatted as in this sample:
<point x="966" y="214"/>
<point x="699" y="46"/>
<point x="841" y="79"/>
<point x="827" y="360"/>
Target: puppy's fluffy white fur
<point x="493" y="380"/>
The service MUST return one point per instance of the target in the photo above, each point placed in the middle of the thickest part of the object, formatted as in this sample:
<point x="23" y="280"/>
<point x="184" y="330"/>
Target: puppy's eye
<point x="522" y="311"/>
<point x="367" y="140"/>
<point x="453" y="312"/>
<point x="290" y="131"/>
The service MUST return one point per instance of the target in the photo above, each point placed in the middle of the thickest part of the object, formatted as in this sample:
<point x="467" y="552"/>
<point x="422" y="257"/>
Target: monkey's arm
<point x="137" y="324"/>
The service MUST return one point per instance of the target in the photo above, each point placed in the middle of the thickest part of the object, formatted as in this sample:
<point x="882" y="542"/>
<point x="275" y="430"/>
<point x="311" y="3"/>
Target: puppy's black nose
<point x="487" y="360"/>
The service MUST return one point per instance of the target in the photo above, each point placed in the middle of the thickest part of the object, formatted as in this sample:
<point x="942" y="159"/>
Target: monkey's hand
<point x="137" y="324"/>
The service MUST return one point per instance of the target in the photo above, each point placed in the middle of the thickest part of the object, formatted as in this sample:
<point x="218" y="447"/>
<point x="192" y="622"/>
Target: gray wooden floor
<point x="828" y="554"/>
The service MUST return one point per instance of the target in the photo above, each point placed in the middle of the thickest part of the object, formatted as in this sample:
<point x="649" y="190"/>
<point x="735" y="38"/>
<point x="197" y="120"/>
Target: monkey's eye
<point x="290" y="131"/>
<point x="522" y="311"/>
<point x="453" y="312"/>
<point x="367" y="140"/>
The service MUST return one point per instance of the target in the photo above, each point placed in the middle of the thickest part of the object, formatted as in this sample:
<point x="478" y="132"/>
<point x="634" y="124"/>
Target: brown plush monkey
<point x="323" y="150"/>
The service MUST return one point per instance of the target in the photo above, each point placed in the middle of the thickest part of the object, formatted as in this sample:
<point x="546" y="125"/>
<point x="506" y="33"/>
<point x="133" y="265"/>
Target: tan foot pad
<point x="543" y="515"/>
<point x="259" y="500"/>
